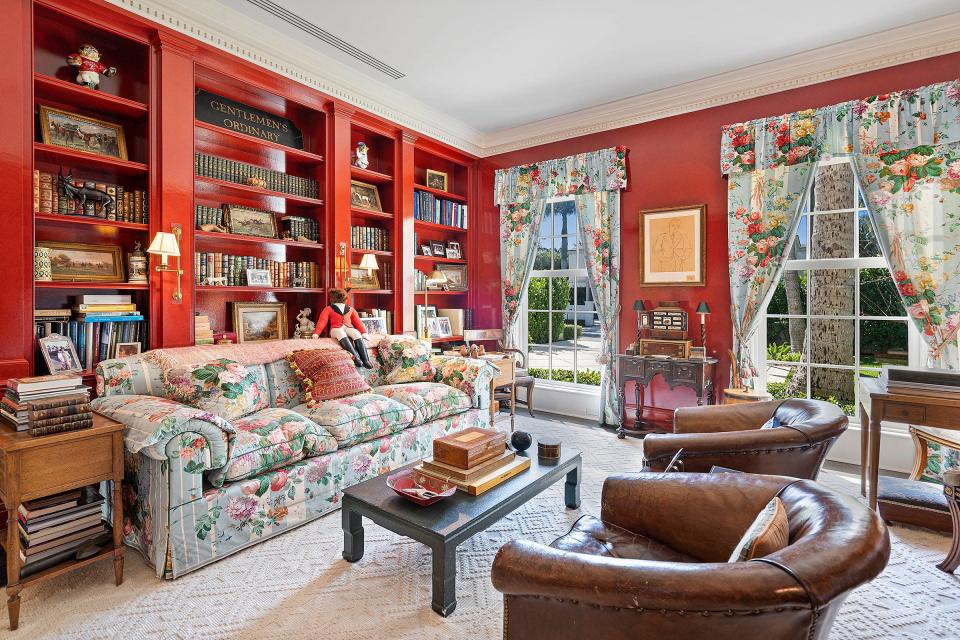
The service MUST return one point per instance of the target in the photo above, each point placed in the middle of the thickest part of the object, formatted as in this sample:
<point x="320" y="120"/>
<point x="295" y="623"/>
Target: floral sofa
<point x="203" y="481"/>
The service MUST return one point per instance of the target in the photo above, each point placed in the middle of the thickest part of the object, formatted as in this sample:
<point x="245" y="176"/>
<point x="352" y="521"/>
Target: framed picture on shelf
<point x="425" y="250"/>
<point x="250" y="222"/>
<point x="456" y="276"/>
<point x="77" y="262"/>
<point x="127" y="349"/>
<point x="83" y="133"/>
<point x="259" y="278"/>
<point x="439" y="327"/>
<point x="673" y="246"/>
<point x="59" y="354"/>
<point x="437" y="180"/>
<point x="363" y="279"/>
<point x="375" y="324"/>
<point x="438" y="249"/>
<point x="421" y="315"/>
<point x="259" y="321"/>
<point x="365" y="196"/>
<point x="453" y="250"/>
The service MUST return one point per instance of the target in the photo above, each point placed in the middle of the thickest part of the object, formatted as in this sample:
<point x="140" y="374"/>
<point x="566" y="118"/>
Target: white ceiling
<point x="496" y="64"/>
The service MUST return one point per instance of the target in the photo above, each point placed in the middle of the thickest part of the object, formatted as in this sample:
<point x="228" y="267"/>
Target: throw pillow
<point x="222" y="387"/>
<point x="405" y="359"/>
<point x="772" y="423"/>
<point x="326" y="374"/>
<point x="769" y="533"/>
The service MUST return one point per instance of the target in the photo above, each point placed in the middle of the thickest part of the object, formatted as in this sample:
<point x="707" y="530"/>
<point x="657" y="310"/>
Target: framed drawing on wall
<point x="673" y="246"/>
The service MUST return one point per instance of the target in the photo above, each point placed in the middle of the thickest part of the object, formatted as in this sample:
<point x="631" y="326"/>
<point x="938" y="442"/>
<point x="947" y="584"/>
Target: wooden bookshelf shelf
<point x="440" y="193"/>
<point x="243" y="189"/>
<point x="368" y="175"/>
<point x="423" y="224"/>
<point x="119" y="286"/>
<point x="202" y="288"/>
<point x="74" y="158"/>
<point x="211" y="133"/>
<point x="373" y="215"/>
<point x="47" y="88"/>
<point x="59" y="219"/>
<point x="373" y="251"/>
<point x="213" y="237"/>
<point x="440" y="293"/>
<point x="379" y="292"/>
<point x="436" y="259"/>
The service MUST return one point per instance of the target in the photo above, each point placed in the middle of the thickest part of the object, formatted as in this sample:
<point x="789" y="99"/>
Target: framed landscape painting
<point x="260" y="321"/>
<point x="673" y="246"/>
<point x="83" y="133"/>
<point x="76" y="262"/>
<point x="365" y="196"/>
<point x="251" y="222"/>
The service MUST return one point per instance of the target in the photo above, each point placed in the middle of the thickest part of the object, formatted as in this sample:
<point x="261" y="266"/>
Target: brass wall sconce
<point x="167" y="245"/>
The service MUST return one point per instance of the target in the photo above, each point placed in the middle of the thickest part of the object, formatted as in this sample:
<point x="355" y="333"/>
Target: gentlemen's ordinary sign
<point x="226" y="113"/>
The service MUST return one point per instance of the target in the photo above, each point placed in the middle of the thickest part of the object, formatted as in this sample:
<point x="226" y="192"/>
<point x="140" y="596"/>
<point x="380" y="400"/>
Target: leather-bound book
<point x="469" y="447"/>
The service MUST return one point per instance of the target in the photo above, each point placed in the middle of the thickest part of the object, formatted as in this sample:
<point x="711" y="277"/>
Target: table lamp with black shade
<point x="703" y="310"/>
<point x="639" y="307"/>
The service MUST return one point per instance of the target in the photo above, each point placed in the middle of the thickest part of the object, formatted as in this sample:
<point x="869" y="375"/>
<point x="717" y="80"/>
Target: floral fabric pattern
<point x="283" y="385"/>
<point x="359" y="418"/>
<point x="127" y="376"/>
<point x="469" y="375"/>
<point x="939" y="459"/>
<point x="405" y="359"/>
<point x="429" y="400"/>
<point x="519" y="230"/>
<point x="221" y="386"/>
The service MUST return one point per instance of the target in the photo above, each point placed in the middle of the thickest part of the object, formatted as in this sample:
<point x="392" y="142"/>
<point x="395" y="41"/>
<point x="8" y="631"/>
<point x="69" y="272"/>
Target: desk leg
<point x="513" y="406"/>
<point x="117" y="532"/>
<point x="13" y="567"/>
<point x="621" y="434"/>
<point x="864" y="429"/>
<point x="874" y="462"/>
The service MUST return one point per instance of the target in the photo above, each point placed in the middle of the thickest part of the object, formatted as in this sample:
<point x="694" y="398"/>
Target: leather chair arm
<point x="658" y="448"/>
<point x="526" y="568"/>
<point x="725" y="417"/>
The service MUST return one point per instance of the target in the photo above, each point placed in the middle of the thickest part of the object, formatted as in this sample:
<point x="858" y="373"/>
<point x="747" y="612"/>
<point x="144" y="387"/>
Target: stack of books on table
<point x="47" y="404"/>
<point x="202" y="331"/>
<point x="54" y="528"/>
<point x="916" y="381"/>
<point x="476" y="460"/>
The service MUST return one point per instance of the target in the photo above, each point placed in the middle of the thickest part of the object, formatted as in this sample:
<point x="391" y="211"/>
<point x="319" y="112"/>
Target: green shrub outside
<point x="538" y="323"/>
<point x="566" y="375"/>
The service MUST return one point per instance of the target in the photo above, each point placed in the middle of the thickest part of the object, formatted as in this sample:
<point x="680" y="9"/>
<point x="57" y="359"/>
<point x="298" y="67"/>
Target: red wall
<point x="674" y="162"/>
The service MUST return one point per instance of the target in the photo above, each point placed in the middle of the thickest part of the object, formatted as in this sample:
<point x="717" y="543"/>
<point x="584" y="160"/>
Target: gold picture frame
<point x="79" y="262"/>
<point x="246" y="221"/>
<point x="91" y="135"/>
<point x="673" y="246"/>
<point x="456" y="276"/>
<point x="438" y="180"/>
<point x="366" y="196"/>
<point x="363" y="279"/>
<point x="260" y="321"/>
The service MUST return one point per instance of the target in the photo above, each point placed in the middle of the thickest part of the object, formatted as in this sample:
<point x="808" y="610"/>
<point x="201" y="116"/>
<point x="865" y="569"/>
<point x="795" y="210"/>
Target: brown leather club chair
<point x="654" y="566"/>
<point x="730" y="436"/>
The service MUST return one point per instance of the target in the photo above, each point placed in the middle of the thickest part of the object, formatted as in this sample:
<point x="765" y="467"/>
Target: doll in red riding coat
<point x="345" y="327"/>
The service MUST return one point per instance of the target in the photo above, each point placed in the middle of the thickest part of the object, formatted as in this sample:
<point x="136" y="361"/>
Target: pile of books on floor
<point x="475" y="459"/>
<point x="916" y="381"/>
<point x="59" y="527"/>
<point x="47" y="404"/>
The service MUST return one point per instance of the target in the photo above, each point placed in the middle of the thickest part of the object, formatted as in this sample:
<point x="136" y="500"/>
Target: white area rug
<point x="297" y="585"/>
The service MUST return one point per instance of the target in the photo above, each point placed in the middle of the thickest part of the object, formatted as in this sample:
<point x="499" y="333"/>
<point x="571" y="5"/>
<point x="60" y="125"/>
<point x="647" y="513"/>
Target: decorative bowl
<point x="420" y="488"/>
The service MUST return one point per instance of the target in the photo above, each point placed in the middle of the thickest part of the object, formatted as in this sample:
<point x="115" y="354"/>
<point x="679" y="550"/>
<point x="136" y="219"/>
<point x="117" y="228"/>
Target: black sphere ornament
<point x="521" y="441"/>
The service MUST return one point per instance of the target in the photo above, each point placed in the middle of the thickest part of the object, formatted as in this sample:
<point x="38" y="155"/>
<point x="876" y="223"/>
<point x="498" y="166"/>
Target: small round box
<point x="548" y="448"/>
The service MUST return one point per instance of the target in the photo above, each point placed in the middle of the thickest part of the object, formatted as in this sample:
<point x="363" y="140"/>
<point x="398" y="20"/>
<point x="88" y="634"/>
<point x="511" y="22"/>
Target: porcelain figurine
<point x="305" y="325"/>
<point x="137" y="264"/>
<point x="87" y="63"/>
<point x="360" y="156"/>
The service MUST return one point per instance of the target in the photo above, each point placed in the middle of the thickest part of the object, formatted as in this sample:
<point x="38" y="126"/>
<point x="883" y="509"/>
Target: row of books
<point x="61" y="527"/>
<point x="386" y="275"/>
<point x="47" y="404"/>
<point x="291" y="227"/>
<point x="222" y="269"/>
<point x="127" y="205"/>
<point x="430" y="208"/>
<point x="96" y="338"/>
<point x="241" y="173"/>
<point x="203" y="214"/>
<point x="373" y="238"/>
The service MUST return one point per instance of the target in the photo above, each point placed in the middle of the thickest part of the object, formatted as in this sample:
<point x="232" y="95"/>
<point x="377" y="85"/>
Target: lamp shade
<point x="436" y="276"/>
<point x="369" y="262"/>
<point x="164" y="244"/>
<point x="639" y="306"/>
<point x="703" y="308"/>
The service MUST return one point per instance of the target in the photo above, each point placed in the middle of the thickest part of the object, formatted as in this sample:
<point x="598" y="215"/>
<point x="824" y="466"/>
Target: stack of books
<point x="476" y="460"/>
<point x="202" y="331"/>
<point x="915" y="381"/>
<point x="430" y="208"/>
<point x="54" y="528"/>
<point x="47" y="404"/>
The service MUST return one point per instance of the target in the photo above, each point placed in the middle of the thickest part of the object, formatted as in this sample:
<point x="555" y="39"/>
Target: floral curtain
<point x="904" y="144"/>
<point x="598" y="217"/>
<point x="519" y="230"/>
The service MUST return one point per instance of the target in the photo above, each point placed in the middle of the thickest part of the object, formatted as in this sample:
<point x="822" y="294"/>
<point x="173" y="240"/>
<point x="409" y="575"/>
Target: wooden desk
<point x="35" y="467"/>
<point x="877" y="405"/>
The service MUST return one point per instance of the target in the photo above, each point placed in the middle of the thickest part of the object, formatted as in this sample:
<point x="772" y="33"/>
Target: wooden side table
<point x="36" y="467"/>
<point x="741" y="396"/>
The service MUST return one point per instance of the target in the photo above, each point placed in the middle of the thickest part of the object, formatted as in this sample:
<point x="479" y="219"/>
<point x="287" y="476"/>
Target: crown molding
<point x="909" y="43"/>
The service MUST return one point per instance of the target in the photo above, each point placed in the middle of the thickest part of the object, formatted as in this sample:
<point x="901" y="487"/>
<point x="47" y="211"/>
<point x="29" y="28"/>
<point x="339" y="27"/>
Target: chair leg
<point x="530" y="400"/>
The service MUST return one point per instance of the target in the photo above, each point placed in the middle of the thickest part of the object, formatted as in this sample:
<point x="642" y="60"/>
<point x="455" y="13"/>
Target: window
<point x="560" y="324"/>
<point x="835" y="316"/>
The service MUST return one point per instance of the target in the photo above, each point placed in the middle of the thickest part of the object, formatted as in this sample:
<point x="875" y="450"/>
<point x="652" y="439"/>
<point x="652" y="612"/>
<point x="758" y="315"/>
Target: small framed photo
<point x="59" y="354"/>
<point x="260" y="321"/>
<point x="375" y="324"/>
<point x="438" y="249"/>
<point x="698" y="353"/>
<point x="456" y="276"/>
<point x="453" y="250"/>
<point x="439" y="327"/>
<point x="245" y="221"/>
<point x="437" y="180"/>
<point x="422" y="314"/>
<point x="365" y="196"/>
<point x="425" y="250"/>
<point x="83" y="133"/>
<point x="127" y="349"/>
<point x="259" y="278"/>
<point x="76" y="262"/>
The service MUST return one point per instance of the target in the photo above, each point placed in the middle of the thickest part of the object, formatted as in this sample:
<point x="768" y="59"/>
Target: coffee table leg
<point x="444" y="579"/>
<point x="571" y="488"/>
<point x="352" y="535"/>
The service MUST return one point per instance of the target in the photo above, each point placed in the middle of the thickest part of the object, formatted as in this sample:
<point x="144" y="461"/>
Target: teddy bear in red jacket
<point x="345" y="327"/>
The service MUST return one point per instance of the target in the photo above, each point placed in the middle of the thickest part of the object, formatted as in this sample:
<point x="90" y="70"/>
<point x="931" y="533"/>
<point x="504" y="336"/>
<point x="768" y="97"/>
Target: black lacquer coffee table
<point x="444" y="525"/>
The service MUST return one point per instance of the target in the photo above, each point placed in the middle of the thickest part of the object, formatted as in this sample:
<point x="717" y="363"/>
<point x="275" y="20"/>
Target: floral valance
<point x="603" y="170"/>
<point x="877" y="125"/>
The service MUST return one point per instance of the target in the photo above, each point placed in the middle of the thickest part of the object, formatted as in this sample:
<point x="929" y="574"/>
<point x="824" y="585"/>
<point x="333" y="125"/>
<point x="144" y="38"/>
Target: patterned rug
<point x="297" y="585"/>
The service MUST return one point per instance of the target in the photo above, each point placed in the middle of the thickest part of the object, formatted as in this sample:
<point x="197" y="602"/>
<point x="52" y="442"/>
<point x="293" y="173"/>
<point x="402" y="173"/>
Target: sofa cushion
<point x="359" y="418"/>
<point x="283" y="384"/>
<point x="429" y="400"/>
<point x="270" y="439"/>
<point x="592" y="536"/>
<point x="224" y="387"/>
<point x="405" y="359"/>
<point x="769" y="533"/>
<point x="327" y="374"/>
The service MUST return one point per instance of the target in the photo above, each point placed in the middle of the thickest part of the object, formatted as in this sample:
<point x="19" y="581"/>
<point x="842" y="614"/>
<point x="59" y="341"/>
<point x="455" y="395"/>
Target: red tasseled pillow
<point x="326" y="374"/>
